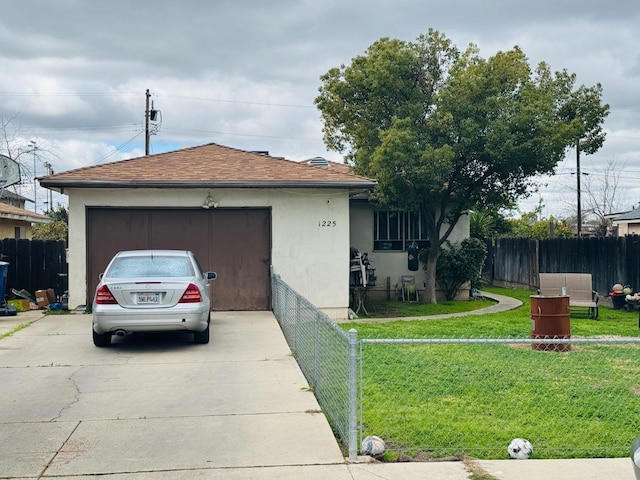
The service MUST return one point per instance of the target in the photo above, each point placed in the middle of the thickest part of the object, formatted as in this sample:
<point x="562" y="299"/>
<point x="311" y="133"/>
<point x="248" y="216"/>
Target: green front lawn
<point x="397" y="308"/>
<point x="441" y="400"/>
<point x="512" y="323"/>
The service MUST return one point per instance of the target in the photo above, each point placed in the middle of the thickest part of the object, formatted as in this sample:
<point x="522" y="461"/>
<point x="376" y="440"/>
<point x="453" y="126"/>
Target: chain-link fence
<point x="325" y="356"/>
<point x="436" y="398"/>
<point x="445" y="397"/>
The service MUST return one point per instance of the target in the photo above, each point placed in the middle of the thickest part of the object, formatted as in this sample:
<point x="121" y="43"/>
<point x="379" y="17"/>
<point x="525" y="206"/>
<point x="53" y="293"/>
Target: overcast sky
<point x="244" y="73"/>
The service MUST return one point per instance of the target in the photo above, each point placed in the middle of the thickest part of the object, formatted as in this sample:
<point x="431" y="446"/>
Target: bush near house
<point x="458" y="264"/>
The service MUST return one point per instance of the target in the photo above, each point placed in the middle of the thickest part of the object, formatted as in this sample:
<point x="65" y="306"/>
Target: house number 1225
<point x="327" y="223"/>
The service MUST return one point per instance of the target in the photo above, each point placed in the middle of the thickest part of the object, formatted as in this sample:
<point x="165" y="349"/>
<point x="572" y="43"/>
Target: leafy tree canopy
<point x="56" y="229"/>
<point x="444" y="130"/>
<point x="529" y="226"/>
<point x="491" y="224"/>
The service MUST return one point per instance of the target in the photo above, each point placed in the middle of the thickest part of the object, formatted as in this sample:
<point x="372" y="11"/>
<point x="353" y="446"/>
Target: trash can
<point x="550" y="318"/>
<point x="5" y="309"/>
<point x="4" y="268"/>
<point x="617" y="300"/>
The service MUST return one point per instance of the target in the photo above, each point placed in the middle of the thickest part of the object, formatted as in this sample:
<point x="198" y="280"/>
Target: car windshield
<point x="156" y="266"/>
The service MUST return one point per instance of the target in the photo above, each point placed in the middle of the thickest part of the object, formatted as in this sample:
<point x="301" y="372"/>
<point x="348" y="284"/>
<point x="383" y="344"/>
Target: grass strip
<point x="14" y="330"/>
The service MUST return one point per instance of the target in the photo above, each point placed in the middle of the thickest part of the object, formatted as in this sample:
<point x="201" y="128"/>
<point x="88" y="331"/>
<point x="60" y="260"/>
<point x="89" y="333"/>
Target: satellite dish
<point x="9" y="172"/>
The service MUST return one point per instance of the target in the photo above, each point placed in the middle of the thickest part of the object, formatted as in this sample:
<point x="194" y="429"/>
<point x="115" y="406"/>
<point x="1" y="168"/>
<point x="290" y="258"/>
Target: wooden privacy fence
<point x="35" y="265"/>
<point x="610" y="260"/>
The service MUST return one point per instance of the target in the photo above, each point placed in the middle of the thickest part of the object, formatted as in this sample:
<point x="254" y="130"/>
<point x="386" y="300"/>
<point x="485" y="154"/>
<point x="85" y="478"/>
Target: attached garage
<point x="244" y="214"/>
<point x="235" y="243"/>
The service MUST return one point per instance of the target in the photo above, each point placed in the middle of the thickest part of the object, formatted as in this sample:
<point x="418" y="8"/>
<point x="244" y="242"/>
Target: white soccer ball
<point x="520" y="449"/>
<point x="373" y="446"/>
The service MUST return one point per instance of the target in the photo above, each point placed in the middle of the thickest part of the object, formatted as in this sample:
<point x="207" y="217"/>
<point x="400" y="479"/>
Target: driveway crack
<point x="76" y="397"/>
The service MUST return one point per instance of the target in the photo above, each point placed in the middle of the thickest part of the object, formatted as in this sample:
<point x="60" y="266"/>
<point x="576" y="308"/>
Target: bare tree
<point x="12" y="143"/>
<point x="28" y="153"/>
<point x="602" y="196"/>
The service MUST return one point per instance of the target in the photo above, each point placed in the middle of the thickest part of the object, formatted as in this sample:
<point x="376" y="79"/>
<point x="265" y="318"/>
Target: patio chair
<point x="578" y="286"/>
<point x="408" y="288"/>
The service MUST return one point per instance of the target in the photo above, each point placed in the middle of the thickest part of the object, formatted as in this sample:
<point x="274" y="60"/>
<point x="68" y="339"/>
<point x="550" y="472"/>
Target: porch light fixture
<point x="209" y="202"/>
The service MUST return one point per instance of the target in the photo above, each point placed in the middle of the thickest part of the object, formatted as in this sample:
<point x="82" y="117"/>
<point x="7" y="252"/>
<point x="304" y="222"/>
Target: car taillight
<point x="104" y="296"/>
<point x="191" y="295"/>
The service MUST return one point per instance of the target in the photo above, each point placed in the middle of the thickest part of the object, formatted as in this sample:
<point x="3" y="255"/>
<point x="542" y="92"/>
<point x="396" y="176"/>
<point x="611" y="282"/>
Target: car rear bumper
<point x="119" y="319"/>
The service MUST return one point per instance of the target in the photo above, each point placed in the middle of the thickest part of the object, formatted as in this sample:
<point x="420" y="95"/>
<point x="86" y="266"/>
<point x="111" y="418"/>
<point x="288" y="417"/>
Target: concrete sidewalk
<point x="235" y="409"/>
<point x="502" y="304"/>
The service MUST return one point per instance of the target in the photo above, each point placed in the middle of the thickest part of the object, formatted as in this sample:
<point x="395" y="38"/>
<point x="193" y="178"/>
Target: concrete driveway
<point x="157" y="403"/>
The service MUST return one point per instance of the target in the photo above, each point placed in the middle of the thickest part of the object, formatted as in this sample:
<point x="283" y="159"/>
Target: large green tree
<point x="444" y="130"/>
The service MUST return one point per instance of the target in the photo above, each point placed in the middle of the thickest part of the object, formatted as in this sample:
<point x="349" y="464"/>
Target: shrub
<point x="459" y="264"/>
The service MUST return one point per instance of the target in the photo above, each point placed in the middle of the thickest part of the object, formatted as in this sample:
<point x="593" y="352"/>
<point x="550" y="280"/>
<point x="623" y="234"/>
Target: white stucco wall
<point x="309" y="234"/>
<point x="390" y="265"/>
<point x="627" y="228"/>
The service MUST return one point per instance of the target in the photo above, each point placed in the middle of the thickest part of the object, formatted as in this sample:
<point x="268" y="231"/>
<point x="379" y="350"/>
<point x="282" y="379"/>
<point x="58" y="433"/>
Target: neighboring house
<point x="627" y="223"/>
<point x="13" y="198"/>
<point x="15" y="221"/>
<point x="244" y="214"/>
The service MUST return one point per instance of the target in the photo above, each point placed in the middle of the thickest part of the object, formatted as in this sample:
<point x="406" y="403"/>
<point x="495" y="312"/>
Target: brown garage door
<point x="235" y="243"/>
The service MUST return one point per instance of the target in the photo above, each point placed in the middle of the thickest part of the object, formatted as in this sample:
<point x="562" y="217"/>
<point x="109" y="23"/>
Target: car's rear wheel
<point x="101" y="339"/>
<point x="202" y="337"/>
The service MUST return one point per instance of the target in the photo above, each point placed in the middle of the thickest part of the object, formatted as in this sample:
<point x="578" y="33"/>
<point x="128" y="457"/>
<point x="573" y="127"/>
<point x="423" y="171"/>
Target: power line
<point x="240" y="102"/>
<point x="115" y="150"/>
<point x="131" y="94"/>
<point x="68" y="94"/>
<point x="188" y="131"/>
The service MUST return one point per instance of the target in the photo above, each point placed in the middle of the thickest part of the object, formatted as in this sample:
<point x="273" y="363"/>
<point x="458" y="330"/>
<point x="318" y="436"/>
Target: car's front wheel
<point x="101" y="339"/>
<point x="202" y="337"/>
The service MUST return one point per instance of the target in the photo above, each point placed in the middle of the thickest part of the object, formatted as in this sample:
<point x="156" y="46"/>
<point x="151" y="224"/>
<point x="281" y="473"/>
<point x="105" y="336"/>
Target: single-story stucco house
<point x="627" y="223"/>
<point x="15" y="220"/>
<point x="244" y="214"/>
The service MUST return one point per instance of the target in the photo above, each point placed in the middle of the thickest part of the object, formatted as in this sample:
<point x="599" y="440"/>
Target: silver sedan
<point x="152" y="291"/>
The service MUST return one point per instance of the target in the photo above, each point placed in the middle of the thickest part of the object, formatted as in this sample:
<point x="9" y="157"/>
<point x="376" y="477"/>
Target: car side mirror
<point x="211" y="275"/>
<point x="100" y="276"/>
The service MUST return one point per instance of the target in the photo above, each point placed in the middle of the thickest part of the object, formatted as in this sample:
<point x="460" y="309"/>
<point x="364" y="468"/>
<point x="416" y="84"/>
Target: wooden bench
<point x="578" y="286"/>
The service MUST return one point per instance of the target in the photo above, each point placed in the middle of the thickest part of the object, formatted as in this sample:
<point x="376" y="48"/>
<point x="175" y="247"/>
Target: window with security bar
<point x="395" y="231"/>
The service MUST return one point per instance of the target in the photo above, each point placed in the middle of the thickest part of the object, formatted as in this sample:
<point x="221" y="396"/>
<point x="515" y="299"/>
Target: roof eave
<point x="60" y="184"/>
<point x="24" y="218"/>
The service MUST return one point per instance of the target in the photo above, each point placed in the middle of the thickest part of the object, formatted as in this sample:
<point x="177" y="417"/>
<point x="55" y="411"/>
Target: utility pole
<point x="34" y="148"/>
<point x="578" y="188"/>
<point x="146" y="124"/>
<point x="49" y="172"/>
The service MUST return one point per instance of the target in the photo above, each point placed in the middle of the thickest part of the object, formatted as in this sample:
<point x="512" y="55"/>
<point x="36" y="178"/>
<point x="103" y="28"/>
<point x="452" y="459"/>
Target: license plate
<point x="148" y="298"/>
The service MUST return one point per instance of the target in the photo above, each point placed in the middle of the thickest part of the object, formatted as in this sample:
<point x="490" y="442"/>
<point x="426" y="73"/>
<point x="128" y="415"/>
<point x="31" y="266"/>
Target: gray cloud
<point x="245" y="72"/>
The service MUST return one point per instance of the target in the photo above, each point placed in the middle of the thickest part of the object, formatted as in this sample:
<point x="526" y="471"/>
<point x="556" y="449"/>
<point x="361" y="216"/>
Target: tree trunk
<point x="430" y="270"/>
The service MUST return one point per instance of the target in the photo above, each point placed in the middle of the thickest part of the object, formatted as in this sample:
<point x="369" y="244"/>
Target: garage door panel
<point x="235" y="243"/>
<point x="181" y="230"/>
<point x="127" y="230"/>
<point x="241" y="259"/>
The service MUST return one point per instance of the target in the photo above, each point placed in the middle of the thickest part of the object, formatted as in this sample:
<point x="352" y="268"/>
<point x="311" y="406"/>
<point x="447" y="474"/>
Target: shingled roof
<point x="207" y="166"/>
<point x="12" y="212"/>
<point x="630" y="215"/>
